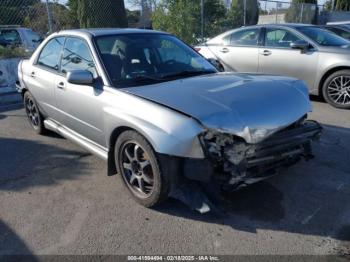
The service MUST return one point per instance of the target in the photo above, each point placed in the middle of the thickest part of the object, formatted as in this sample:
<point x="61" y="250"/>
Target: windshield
<point x="323" y="37"/>
<point x="141" y="59"/>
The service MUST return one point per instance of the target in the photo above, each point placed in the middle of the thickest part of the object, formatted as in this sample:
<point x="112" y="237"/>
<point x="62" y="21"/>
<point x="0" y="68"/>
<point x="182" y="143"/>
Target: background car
<point x="315" y="55"/>
<point x="161" y="115"/>
<point x="20" y="37"/>
<point x="342" y="30"/>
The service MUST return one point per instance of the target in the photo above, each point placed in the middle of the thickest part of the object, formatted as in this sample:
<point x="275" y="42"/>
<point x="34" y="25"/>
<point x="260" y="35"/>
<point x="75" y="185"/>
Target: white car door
<point x="239" y="50"/>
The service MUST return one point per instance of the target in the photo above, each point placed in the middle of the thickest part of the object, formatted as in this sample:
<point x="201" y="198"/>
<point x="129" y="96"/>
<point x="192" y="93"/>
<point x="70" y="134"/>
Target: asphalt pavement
<point x="55" y="198"/>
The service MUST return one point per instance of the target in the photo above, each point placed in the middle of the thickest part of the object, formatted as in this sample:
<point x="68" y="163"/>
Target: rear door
<point x="41" y="76"/>
<point x="80" y="105"/>
<point x="239" y="50"/>
<point x="277" y="57"/>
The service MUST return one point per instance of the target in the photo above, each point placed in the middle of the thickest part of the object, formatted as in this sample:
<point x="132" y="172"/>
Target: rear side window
<point x="248" y="37"/>
<point x="51" y="53"/>
<point x="11" y="36"/>
<point x="77" y="56"/>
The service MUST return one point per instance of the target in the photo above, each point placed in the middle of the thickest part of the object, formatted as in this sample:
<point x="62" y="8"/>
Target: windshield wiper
<point x="187" y="73"/>
<point x="145" y="77"/>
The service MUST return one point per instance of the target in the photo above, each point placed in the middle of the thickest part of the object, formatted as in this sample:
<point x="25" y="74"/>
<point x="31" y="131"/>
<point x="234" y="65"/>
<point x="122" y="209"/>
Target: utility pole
<point x="49" y="17"/>
<point x="202" y="19"/>
<point x="244" y="12"/>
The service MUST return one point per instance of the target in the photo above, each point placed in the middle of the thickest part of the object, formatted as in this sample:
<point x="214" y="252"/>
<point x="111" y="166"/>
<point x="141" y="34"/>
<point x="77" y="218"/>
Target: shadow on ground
<point x="310" y="198"/>
<point x="12" y="245"/>
<point x="22" y="159"/>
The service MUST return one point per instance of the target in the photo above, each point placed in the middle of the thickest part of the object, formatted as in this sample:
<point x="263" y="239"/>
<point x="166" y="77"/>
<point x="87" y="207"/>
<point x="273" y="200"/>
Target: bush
<point x="12" y="52"/>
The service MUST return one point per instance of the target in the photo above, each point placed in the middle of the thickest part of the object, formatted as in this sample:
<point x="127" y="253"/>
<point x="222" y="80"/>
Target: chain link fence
<point x="191" y="20"/>
<point x="271" y="11"/>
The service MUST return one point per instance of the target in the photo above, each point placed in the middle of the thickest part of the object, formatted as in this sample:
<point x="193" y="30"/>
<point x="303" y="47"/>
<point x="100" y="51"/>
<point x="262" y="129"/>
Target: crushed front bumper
<point x="237" y="163"/>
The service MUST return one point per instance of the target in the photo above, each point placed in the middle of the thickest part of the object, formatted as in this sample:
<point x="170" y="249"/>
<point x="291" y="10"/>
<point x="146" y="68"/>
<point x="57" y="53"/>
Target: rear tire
<point x="34" y="116"/>
<point x="137" y="163"/>
<point x="336" y="89"/>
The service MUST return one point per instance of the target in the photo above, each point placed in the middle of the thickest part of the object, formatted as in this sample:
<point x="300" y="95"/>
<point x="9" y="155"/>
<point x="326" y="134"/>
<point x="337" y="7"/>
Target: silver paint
<point x="170" y="115"/>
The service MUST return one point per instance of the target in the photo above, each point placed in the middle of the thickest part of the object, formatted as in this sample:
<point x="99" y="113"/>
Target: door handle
<point x="266" y="52"/>
<point x="224" y="50"/>
<point x="32" y="74"/>
<point x="60" y="85"/>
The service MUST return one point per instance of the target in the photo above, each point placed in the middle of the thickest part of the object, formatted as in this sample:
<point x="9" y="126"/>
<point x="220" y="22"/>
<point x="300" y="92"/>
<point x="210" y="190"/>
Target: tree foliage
<point x="342" y="5"/>
<point x="37" y="17"/>
<point x="236" y="12"/>
<point x="302" y="11"/>
<point x="92" y="13"/>
<point x="183" y="17"/>
<point x="13" y="12"/>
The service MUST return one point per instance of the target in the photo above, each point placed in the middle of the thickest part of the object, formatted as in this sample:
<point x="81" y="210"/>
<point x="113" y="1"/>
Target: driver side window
<point x="279" y="38"/>
<point x="77" y="56"/>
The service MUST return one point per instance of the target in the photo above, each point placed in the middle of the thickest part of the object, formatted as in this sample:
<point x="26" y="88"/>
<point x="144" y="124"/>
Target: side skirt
<point x="75" y="137"/>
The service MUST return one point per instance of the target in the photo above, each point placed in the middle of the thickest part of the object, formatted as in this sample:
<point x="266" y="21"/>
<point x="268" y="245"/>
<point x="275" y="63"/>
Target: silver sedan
<point x="161" y="115"/>
<point x="310" y="53"/>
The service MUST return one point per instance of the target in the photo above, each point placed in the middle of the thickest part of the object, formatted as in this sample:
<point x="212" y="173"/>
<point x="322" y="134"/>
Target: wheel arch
<point x="327" y="74"/>
<point x="112" y="169"/>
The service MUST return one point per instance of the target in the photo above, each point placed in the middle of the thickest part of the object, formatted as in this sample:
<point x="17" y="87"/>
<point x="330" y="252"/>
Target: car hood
<point x="247" y="105"/>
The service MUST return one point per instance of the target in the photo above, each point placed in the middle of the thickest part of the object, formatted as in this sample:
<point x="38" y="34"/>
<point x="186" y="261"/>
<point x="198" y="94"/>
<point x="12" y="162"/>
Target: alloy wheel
<point x="137" y="170"/>
<point x="339" y="90"/>
<point x="32" y="112"/>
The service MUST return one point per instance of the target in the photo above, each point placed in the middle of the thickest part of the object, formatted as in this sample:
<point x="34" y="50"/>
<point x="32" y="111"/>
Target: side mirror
<point x="300" y="44"/>
<point x="216" y="64"/>
<point x="80" y="77"/>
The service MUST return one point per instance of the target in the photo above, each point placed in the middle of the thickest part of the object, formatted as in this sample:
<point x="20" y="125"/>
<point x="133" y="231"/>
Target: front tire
<point x="336" y="89"/>
<point x="136" y="162"/>
<point x="34" y="116"/>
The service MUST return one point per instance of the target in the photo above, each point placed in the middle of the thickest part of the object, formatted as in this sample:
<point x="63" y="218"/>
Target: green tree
<point x="133" y="17"/>
<point x="342" y="5"/>
<point x="302" y="11"/>
<point x="92" y="13"/>
<point x="13" y="12"/>
<point x="37" y="18"/>
<point x="236" y="13"/>
<point x="183" y="18"/>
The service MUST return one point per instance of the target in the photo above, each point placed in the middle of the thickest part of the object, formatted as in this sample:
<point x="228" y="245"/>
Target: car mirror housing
<point x="80" y="77"/>
<point x="300" y="44"/>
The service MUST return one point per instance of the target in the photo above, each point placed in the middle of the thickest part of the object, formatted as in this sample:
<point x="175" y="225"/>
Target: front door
<point x="277" y="57"/>
<point x="80" y="105"/>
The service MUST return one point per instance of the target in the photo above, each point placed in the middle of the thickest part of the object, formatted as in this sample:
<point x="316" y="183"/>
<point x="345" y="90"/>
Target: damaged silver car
<point x="161" y="115"/>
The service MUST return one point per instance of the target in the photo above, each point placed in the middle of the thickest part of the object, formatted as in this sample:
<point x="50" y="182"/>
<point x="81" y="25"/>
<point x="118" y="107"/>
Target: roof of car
<point x="295" y="25"/>
<point x="108" y="31"/>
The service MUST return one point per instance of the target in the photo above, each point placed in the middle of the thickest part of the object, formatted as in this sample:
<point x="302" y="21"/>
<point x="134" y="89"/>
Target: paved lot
<point x="56" y="199"/>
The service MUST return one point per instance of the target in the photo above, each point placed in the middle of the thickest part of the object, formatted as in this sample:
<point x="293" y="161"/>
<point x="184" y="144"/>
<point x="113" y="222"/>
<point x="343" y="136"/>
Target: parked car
<point x="342" y="30"/>
<point x="310" y="53"/>
<point x="4" y="42"/>
<point x="20" y="37"/>
<point x="160" y="114"/>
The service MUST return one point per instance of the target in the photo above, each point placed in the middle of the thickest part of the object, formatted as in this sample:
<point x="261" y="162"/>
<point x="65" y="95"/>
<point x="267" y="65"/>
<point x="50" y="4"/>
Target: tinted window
<point x="279" y="38"/>
<point x="245" y="37"/>
<point x="77" y="56"/>
<point x="11" y="36"/>
<point x="340" y="32"/>
<point x="323" y="37"/>
<point x="50" y="54"/>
